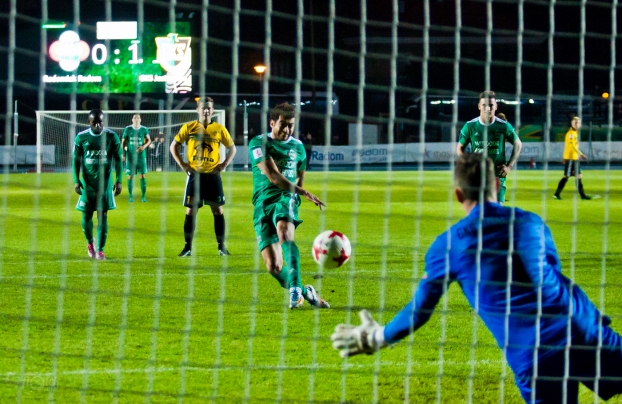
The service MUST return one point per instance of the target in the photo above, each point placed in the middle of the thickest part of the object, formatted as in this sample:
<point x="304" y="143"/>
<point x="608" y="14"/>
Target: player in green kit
<point x="278" y="162"/>
<point x="95" y="150"/>
<point x="498" y="131"/>
<point x="135" y="140"/>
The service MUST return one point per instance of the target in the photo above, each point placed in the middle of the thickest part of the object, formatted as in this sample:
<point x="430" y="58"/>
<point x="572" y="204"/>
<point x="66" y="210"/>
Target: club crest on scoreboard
<point x="175" y="56"/>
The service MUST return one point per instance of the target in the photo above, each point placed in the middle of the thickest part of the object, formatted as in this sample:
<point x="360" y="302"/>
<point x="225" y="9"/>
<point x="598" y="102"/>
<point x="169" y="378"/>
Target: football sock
<point x="561" y="185"/>
<point x="143" y="186"/>
<point x="189" y="230"/>
<point x="219" y="228"/>
<point x="102" y="230"/>
<point x="580" y="187"/>
<point x="282" y="277"/>
<point x="87" y="226"/>
<point x="292" y="260"/>
<point x="130" y="187"/>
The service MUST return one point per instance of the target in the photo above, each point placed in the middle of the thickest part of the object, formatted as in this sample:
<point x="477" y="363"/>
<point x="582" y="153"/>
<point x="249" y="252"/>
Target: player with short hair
<point x="535" y="313"/>
<point x="498" y="133"/>
<point x="278" y="164"/>
<point x="572" y="167"/>
<point x="135" y="139"/>
<point x="95" y="150"/>
<point x="203" y="138"/>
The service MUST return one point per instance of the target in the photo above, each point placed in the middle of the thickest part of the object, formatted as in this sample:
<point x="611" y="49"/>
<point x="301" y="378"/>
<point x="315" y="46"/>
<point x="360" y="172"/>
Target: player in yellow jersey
<point x="571" y="159"/>
<point x="203" y="138"/>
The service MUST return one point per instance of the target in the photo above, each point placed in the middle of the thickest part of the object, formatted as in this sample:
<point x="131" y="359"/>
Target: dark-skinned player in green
<point x="278" y="163"/>
<point x="498" y="132"/>
<point x="95" y="151"/>
<point x="134" y="142"/>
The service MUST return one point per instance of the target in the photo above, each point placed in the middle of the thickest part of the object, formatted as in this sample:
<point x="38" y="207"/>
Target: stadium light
<point x="260" y="69"/>
<point x="605" y="95"/>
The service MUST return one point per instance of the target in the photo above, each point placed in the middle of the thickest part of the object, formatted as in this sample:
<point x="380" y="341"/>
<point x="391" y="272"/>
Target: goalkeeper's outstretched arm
<point x="370" y="336"/>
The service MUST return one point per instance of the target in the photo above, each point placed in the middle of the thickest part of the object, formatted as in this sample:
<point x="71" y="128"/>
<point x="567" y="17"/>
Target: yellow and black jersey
<point x="571" y="149"/>
<point x="203" y="144"/>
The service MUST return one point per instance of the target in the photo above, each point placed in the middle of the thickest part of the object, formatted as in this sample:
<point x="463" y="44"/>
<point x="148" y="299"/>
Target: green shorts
<point x="501" y="192"/>
<point x="137" y="165"/>
<point x="266" y="216"/>
<point x="90" y="202"/>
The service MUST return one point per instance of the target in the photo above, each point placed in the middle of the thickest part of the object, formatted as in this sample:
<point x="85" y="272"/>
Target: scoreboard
<point x="114" y="57"/>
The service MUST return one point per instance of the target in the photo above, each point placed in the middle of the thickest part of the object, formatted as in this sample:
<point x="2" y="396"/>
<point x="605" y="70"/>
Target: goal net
<point x="56" y="132"/>
<point x="381" y="91"/>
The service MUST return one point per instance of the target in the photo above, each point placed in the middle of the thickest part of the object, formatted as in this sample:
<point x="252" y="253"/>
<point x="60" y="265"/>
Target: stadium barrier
<point x="27" y="155"/>
<point x="439" y="153"/>
<point x="368" y="154"/>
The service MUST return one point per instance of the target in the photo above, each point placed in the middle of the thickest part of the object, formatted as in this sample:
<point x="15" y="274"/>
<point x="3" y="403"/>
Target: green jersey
<point x="95" y="154"/>
<point x="289" y="156"/>
<point x="499" y="132"/>
<point x="134" y="138"/>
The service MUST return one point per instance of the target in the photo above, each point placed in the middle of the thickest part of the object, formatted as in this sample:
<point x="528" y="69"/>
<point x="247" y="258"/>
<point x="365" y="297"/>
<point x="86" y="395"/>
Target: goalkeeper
<point x="94" y="151"/>
<point x="538" y="336"/>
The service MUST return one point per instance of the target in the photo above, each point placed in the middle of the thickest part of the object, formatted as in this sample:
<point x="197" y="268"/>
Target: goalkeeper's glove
<point x="366" y="338"/>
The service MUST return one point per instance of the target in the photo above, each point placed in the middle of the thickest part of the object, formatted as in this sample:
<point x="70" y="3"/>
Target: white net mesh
<point x="384" y="88"/>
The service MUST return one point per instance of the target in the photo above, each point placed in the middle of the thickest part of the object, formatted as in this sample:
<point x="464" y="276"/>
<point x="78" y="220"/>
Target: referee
<point x="571" y="159"/>
<point x="203" y="138"/>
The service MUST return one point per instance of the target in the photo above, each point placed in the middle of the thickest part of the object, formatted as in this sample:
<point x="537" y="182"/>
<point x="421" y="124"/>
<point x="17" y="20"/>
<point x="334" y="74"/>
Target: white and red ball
<point x="331" y="249"/>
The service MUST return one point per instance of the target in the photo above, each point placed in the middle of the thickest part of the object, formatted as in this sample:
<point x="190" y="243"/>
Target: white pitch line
<point x="349" y="365"/>
<point x="120" y="275"/>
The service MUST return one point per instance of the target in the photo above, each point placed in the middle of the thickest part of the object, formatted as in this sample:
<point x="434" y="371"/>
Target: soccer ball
<point x="331" y="249"/>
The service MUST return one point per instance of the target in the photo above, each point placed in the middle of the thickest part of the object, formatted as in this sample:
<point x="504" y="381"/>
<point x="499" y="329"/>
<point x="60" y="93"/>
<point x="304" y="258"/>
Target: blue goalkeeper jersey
<point x="504" y="287"/>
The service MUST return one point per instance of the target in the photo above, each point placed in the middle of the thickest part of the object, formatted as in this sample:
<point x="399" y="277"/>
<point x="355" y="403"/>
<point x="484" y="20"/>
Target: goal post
<point x="56" y="131"/>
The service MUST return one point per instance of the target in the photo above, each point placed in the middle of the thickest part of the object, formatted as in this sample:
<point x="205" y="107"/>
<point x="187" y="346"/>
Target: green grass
<point x="218" y="329"/>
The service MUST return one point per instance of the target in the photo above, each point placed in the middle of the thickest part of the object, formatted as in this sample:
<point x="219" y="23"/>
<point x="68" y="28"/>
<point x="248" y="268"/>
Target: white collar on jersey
<point x="486" y="124"/>
<point x="96" y="134"/>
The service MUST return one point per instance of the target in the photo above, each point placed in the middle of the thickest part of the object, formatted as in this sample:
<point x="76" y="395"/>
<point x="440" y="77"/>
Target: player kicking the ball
<point x="278" y="163"/>
<point x="94" y="152"/>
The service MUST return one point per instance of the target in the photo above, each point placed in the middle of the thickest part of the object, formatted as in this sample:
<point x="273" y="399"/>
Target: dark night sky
<point x="379" y="13"/>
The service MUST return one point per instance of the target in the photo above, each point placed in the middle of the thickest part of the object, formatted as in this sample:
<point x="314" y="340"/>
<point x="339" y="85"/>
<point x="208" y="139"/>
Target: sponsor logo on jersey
<point x="257" y="153"/>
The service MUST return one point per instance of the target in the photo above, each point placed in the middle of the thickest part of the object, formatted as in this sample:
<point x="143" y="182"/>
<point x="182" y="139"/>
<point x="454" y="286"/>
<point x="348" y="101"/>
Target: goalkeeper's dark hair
<point x="468" y="176"/>
<point x="286" y="110"/>
<point x="487" y="94"/>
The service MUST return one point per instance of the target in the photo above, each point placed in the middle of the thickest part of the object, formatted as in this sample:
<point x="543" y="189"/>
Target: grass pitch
<point x="149" y="326"/>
